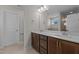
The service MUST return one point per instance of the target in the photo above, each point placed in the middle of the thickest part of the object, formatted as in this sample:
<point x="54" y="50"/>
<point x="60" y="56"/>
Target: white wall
<point x="34" y="21"/>
<point x="43" y="21"/>
<point x="1" y="27"/>
<point x="73" y="23"/>
<point x="27" y="27"/>
<point x="39" y="21"/>
<point x="2" y="24"/>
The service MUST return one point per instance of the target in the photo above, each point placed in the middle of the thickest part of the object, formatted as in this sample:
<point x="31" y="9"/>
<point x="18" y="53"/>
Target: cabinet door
<point x="77" y="49"/>
<point x="35" y="41"/>
<point x="68" y="47"/>
<point x="52" y="45"/>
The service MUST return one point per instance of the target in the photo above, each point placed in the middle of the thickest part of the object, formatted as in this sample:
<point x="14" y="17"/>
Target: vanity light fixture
<point x="43" y="8"/>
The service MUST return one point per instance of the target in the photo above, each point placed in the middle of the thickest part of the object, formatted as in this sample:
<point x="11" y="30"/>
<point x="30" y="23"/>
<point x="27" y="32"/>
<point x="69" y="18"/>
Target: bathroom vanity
<point x="55" y="43"/>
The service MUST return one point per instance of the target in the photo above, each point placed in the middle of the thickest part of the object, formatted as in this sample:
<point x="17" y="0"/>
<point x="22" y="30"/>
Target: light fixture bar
<point x="43" y="8"/>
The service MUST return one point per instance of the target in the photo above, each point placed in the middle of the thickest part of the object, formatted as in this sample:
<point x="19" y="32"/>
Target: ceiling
<point x="52" y="9"/>
<point x="33" y="7"/>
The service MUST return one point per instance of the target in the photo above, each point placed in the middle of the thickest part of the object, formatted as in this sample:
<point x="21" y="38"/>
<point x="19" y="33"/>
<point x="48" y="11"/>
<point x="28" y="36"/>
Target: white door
<point x="11" y="28"/>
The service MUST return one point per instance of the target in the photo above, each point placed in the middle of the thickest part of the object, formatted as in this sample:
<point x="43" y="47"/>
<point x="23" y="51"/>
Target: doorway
<point x="13" y="28"/>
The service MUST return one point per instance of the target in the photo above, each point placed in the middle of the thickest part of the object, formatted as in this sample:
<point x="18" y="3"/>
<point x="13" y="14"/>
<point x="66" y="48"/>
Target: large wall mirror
<point x="67" y="20"/>
<point x="53" y="23"/>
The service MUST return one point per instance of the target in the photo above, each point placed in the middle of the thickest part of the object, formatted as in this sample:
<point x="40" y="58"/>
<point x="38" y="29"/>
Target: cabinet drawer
<point x="43" y="43"/>
<point x="43" y="51"/>
<point x="33" y="34"/>
<point x="43" y="37"/>
<point x="35" y="41"/>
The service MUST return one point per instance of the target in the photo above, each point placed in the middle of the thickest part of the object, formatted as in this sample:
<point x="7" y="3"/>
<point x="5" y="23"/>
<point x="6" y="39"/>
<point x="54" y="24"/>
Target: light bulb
<point x="42" y="8"/>
<point x="45" y="6"/>
<point x="39" y="10"/>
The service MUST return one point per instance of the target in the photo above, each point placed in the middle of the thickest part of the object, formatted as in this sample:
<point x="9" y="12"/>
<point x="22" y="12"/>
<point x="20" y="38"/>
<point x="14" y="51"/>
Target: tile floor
<point x="17" y="49"/>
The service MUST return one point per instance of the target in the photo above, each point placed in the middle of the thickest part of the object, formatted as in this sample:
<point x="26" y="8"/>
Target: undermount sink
<point x="63" y="35"/>
<point x="69" y="36"/>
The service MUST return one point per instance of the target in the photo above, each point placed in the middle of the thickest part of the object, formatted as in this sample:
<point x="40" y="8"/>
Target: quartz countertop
<point x="69" y="36"/>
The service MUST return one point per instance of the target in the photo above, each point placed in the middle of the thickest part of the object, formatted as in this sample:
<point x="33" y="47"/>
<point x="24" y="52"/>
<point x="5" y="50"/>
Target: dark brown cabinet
<point x="35" y="41"/>
<point x="77" y="48"/>
<point x="39" y="43"/>
<point x="51" y="45"/>
<point x="43" y="44"/>
<point x="43" y="51"/>
<point x="67" y="47"/>
<point x="60" y="46"/>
